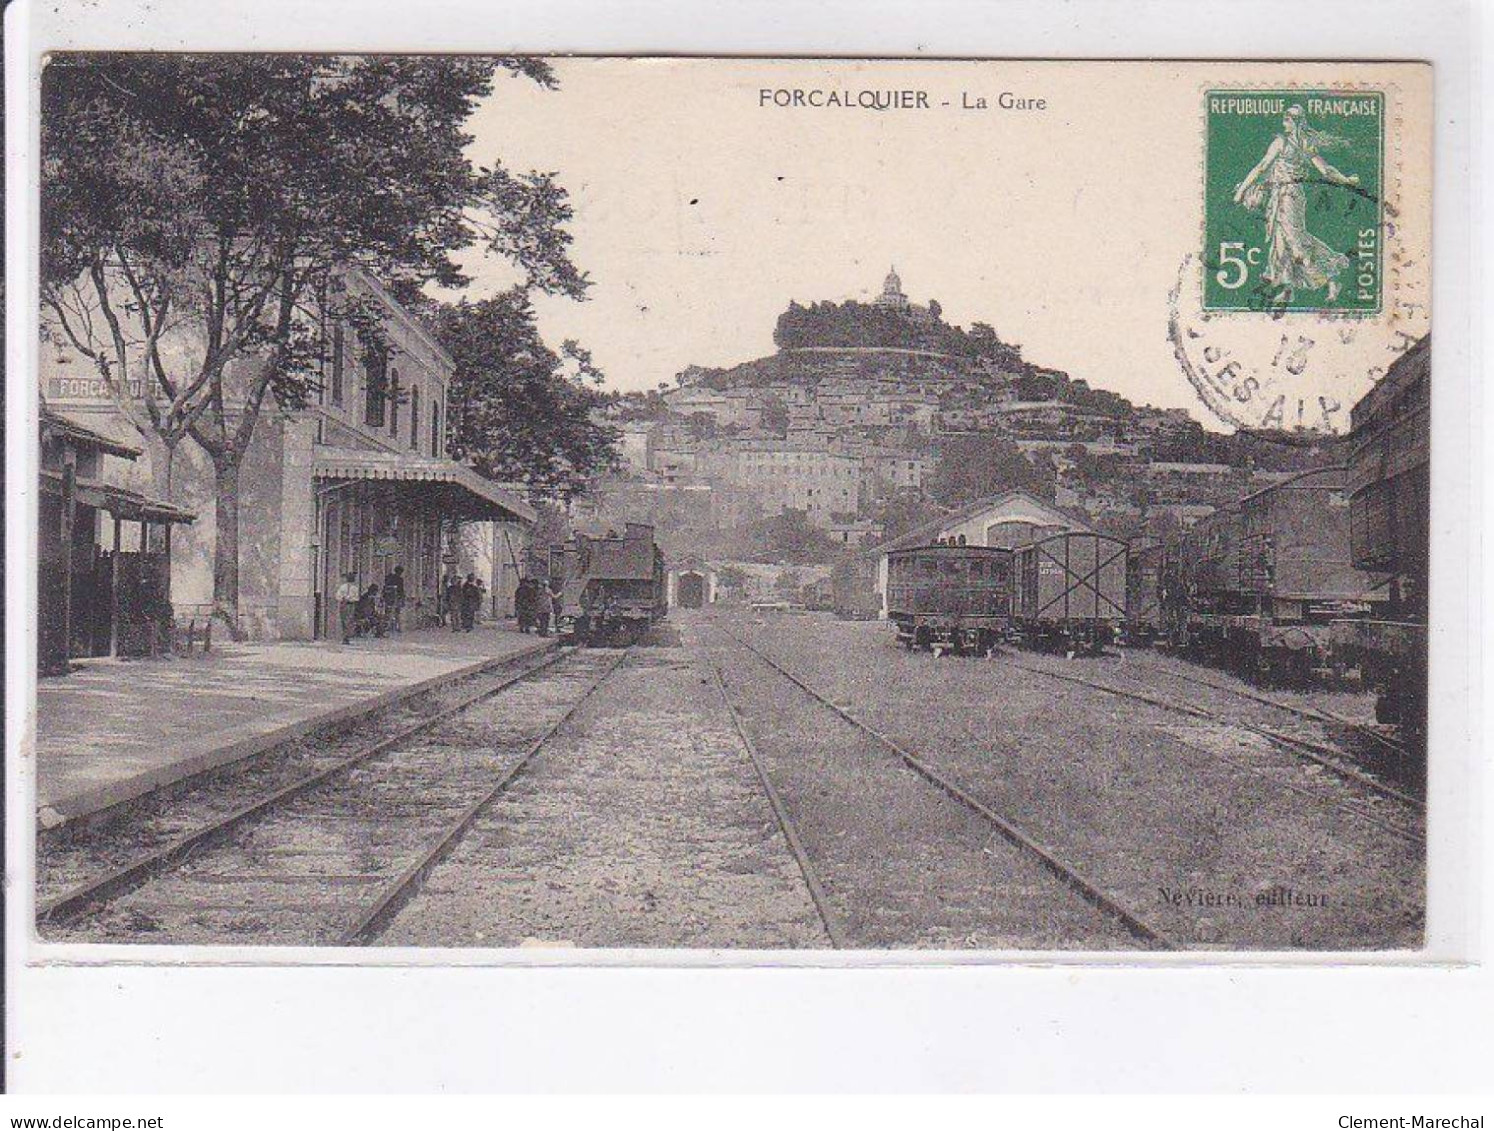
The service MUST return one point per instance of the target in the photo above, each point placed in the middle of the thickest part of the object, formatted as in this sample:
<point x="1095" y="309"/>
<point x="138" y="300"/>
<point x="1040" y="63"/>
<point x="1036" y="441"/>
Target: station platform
<point x="113" y="730"/>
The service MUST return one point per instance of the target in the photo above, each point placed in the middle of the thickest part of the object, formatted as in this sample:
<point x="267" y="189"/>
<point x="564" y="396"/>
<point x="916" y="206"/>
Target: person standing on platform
<point x="524" y="604"/>
<point x="469" y="601"/>
<point x="454" y="600"/>
<point x="394" y="597"/>
<point x="347" y="606"/>
<point x="542" y="608"/>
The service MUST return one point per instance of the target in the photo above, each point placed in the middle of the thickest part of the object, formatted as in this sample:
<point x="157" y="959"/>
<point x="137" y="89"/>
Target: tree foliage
<point x="975" y="465"/>
<point x="788" y="537"/>
<point x="857" y="324"/>
<point x="213" y="199"/>
<point x="520" y="411"/>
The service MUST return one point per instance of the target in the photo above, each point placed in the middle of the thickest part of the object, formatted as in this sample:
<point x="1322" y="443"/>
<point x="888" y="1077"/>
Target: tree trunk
<point x="226" y="548"/>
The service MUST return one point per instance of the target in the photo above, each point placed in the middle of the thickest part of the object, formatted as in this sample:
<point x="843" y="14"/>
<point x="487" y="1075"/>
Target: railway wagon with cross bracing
<point x="948" y="598"/>
<point x="1070" y="591"/>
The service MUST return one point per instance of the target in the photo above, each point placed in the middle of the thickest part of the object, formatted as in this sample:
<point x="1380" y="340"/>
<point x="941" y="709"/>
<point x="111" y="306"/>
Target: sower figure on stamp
<point x="347" y="606"/>
<point x="1295" y="258"/>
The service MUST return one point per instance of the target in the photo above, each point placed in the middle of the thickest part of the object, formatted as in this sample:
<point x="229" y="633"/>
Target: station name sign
<point x="87" y="389"/>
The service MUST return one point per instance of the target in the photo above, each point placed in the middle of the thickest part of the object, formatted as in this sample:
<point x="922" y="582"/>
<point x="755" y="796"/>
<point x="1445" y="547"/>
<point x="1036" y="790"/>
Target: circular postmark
<point x="1293" y="375"/>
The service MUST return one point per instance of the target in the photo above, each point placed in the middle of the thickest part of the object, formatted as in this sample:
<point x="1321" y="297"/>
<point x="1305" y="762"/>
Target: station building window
<point x="375" y="394"/>
<point x="414" y="418"/>
<point x="338" y="346"/>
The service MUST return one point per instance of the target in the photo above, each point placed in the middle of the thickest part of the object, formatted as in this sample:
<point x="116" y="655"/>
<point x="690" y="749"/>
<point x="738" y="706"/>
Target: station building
<point x="357" y="482"/>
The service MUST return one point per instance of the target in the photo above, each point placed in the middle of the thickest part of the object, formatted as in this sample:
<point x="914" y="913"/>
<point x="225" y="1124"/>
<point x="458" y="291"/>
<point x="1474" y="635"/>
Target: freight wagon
<point x="1146" y="568"/>
<point x="612" y="589"/>
<point x="853" y="586"/>
<point x="1261" y="580"/>
<point x="948" y="598"/>
<point x="1389" y="482"/>
<point x="1070" y="591"/>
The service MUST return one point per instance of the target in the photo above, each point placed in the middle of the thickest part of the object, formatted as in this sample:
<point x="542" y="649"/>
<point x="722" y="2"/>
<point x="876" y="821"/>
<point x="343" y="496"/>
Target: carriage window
<point x="930" y="565"/>
<point x="951" y="568"/>
<point x="977" y="568"/>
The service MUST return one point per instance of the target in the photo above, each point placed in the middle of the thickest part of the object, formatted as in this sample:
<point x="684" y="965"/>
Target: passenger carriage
<point x="1266" y="576"/>
<point x="948" y="598"/>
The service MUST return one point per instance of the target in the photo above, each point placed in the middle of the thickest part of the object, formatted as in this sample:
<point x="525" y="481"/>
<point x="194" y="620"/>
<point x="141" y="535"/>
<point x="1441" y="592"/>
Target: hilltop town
<point x="873" y="417"/>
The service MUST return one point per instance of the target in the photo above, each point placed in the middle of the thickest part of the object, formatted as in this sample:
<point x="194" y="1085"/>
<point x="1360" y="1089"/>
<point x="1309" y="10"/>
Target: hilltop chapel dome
<point x="892" y="292"/>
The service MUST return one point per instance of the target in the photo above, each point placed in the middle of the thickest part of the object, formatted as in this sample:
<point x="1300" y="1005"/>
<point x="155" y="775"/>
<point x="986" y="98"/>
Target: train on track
<point x="1065" y="590"/>
<point x="1257" y="585"/>
<point x="1323" y="572"/>
<point x="950" y="598"/>
<point x="611" y="589"/>
<point x="1389" y="484"/>
<point x="1070" y="591"/>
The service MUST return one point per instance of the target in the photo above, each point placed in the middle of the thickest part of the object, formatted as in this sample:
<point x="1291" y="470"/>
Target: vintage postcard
<point x="733" y="504"/>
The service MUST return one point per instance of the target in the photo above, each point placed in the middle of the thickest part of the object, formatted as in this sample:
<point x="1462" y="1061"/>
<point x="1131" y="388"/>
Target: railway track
<point x="1072" y="877"/>
<point x="363" y="831"/>
<point x="1310" y="714"/>
<point x="834" y="930"/>
<point x="1318" y="754"/>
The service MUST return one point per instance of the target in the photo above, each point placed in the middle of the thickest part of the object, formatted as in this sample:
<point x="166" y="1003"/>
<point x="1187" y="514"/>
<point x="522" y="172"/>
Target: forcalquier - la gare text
<point x="818" y="98"/>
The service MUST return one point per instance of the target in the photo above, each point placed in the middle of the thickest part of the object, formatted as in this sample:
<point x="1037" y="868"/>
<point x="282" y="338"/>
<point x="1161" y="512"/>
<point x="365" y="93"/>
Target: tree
<point x="213" y="200"/>
<point x="788" y="537"/>
<point x="976" y="465"/>
<point x="775" y="415"/>
<point x="516" y="413"/>
<point x="904" y="510"/>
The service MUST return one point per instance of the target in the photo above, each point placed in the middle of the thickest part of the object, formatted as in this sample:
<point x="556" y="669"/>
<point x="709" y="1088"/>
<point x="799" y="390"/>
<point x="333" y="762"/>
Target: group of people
<point x="536" y="606"/>
<point x="376" y="610"/>
<point x="462" y="600"/>
<point x="373" y="611"/>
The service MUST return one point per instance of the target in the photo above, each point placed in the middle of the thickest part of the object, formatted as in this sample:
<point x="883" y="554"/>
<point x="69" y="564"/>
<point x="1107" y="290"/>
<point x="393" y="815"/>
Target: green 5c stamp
<point x="1293" y="207"/>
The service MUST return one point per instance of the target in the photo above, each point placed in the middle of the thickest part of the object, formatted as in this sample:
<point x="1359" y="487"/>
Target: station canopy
<point x="441" y="486"/>
<point x="121" y="502"/>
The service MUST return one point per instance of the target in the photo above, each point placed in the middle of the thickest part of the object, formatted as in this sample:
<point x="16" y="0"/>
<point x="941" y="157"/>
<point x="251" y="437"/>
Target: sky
<point x="701" y="212"/>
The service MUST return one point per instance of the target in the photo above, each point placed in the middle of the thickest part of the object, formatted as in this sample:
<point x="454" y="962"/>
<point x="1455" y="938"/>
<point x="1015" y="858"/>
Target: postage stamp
<point x="1294" y="211"/>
